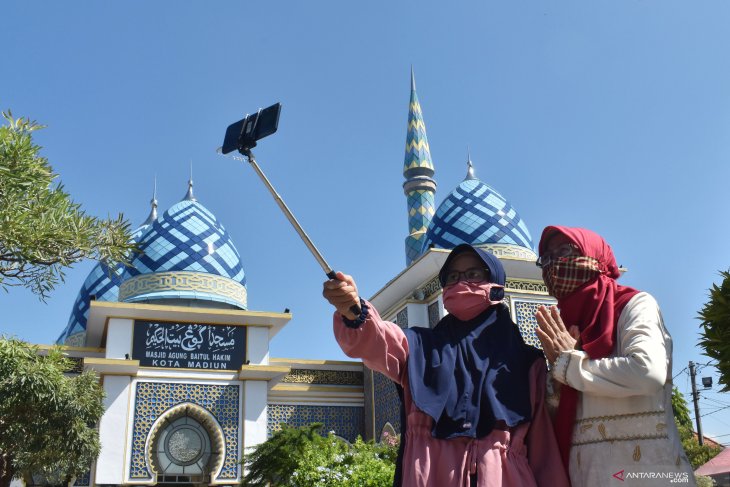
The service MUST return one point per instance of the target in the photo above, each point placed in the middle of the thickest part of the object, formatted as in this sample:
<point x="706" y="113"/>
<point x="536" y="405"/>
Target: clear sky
<point x="612" y="115"/>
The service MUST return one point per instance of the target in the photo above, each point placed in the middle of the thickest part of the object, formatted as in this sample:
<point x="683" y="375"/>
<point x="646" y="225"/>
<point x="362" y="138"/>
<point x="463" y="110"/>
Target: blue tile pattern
<point x="345" y="421"/>
<point x="418" y="152"/>
<point x="187" y="237"/>
<point x="152" y="399"/>
<point x="387" y="403"/>
<point x="421" y="208"/>
<point x="475" y="213"/>
<point x="418" y="170"/>
<point x="526" y="321"/>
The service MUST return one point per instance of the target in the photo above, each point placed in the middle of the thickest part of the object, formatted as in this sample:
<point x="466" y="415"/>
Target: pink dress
<point x="524" y="456"/>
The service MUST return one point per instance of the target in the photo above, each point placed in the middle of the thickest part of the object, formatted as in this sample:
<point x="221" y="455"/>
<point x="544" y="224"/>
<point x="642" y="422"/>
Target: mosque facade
<point x="185" y="364"/>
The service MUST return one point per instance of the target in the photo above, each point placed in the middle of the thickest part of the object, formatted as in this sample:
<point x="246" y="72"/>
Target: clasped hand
<point x="553" y="335"/>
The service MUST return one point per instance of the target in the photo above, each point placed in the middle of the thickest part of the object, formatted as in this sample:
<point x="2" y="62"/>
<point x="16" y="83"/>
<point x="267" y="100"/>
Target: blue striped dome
<point x="476" y="213"/>
<point x="186" y="254"/>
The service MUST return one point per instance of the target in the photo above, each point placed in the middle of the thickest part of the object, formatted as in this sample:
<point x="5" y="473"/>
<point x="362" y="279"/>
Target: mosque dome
<point x="475" y="213"/>
<point x="186" y="255"/>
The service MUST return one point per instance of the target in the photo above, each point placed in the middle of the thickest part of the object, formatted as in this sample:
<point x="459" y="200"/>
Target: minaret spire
<point x="189" y="196"/>
<point x="419" y="187"/>
<point x="153" y="203"/>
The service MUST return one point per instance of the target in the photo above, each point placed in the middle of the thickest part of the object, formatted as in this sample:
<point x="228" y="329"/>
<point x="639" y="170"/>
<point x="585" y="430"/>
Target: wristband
<point x="358" y="321"/>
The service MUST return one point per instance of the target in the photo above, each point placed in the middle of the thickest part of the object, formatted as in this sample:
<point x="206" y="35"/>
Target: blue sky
<point x="609" y="115"/>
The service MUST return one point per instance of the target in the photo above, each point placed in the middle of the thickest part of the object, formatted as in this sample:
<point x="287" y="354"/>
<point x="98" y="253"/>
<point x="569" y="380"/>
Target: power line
<point x="713" y="412"/>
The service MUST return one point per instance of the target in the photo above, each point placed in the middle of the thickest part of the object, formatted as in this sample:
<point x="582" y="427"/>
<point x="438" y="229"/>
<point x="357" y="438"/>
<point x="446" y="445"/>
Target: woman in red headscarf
<point x="609" y="350"/>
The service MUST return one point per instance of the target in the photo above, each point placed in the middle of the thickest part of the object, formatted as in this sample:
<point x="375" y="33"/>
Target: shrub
<point x="301" y="457"/>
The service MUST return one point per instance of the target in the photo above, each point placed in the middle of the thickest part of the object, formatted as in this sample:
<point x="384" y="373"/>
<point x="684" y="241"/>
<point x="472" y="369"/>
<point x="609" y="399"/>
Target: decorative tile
<point x="387" y="403"/>
<point x="154" y="398"/>
<point x="526" y="321"/>
<point x="319" y="376"/>
<point x="344" y="421"/>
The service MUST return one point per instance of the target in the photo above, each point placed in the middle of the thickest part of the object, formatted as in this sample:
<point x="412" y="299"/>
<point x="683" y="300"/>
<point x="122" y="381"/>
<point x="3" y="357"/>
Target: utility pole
<point x="696" y="398"/>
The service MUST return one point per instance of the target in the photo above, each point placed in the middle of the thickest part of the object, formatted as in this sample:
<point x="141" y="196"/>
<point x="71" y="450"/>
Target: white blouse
<point x="624" y="424"/>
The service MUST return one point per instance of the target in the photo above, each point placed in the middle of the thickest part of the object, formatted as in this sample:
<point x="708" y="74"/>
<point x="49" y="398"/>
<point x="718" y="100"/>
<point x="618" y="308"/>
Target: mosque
<point x="185" y="364"/>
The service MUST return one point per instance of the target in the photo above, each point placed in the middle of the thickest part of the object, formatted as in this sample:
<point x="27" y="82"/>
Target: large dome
<point x="477" y="214"/>
<point x="186" y="255"/>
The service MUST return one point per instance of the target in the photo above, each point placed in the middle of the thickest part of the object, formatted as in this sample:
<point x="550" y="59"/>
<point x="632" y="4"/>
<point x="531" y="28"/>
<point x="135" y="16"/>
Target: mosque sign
<point x="189" y="345"/>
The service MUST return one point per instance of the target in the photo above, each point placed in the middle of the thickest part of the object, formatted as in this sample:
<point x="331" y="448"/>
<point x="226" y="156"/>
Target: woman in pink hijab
<point x="612" y="356"/>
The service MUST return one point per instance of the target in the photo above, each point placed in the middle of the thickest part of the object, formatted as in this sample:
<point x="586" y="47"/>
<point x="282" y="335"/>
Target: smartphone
<point x="245" y="132"/>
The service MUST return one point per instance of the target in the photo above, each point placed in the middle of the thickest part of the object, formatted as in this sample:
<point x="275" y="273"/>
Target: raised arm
<point x="381" y="345"/>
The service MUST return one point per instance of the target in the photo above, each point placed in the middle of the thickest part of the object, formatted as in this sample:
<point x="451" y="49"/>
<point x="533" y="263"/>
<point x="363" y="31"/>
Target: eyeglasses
<point x="564" y="250"/>
<point x="473" y="275"/>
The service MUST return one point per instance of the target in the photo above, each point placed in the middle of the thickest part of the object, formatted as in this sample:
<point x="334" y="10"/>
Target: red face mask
<point x="467" y="300"/>
<point x="567" y="274"/>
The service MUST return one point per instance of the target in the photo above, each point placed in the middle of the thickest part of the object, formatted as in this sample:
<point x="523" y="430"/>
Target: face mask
<point x="566" y="274"/>
<point x="467" y="300"/>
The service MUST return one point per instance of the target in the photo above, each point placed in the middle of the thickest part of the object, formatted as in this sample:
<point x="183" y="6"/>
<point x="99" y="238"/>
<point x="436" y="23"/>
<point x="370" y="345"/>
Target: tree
<point x="42" y="231"/>
<point x="715" y="334"/>
<point x="301" y="457"/>
<point x="47" y="418"/>
<point x="697" y="454"/>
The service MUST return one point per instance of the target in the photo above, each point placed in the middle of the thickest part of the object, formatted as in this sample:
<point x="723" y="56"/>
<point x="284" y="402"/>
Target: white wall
<point x="113" y="430"/>
<point x="119" y="338"/>
<point x="255" y="394"/>
<point x="257" y="345"/>
<point x="417" y="314"/>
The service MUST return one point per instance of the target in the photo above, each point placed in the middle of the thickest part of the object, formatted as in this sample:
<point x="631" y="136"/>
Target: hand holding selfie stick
<point x="242" y="136"/>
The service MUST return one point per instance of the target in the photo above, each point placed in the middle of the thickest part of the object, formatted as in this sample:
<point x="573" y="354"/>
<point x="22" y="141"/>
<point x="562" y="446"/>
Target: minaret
<point x="419" y="188"/>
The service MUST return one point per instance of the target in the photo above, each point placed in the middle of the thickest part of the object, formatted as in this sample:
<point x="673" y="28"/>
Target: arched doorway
<point x="186" y="447"/>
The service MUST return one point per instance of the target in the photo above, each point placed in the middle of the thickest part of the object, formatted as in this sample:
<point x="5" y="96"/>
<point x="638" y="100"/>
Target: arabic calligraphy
<point x="190" y="337"/>
<point x="189" y="345"/>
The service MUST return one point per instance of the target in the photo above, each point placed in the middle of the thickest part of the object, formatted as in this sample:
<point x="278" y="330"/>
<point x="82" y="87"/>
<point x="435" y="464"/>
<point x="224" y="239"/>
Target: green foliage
<point x="42" y="230"/>
<point x="715" y="334"/>
<point x="300" y="457"/>
<point x="680" y="409"/>
<point x="704" y="481"/>
<point x="47" y="418"/>
<point x="697" y="455"/>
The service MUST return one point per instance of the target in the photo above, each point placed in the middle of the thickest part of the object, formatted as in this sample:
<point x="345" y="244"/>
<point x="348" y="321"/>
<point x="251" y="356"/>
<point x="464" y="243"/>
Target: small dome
<point x="476" y="213"/>
<point x="186" y="255"/>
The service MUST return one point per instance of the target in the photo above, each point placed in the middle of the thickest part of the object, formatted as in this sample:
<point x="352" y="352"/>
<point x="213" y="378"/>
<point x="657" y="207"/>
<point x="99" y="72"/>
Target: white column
<point x="119" y="338"/>
<point x="255" y="397"/>
<point x="113" y="430"/>
<point x="257" y="345"/>
<point x="417" y="314"/>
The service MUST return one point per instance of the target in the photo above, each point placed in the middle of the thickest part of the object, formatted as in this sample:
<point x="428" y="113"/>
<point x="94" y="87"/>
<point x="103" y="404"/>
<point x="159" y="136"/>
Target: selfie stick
<point x="242" y="136"/>
<point x="289" y="215"/>
<point x="355" y="309"/>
